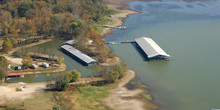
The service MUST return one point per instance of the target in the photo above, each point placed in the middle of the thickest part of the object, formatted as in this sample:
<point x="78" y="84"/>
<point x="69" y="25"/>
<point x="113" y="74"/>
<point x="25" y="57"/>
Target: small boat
<point x="122" y="27"/>
<point x="114" y="43"/>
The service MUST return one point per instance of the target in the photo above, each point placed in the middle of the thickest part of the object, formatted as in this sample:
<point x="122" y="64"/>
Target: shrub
<point x="75" y="75"/>
<point x="56" y="107"/>
<point x="62" y="85"/>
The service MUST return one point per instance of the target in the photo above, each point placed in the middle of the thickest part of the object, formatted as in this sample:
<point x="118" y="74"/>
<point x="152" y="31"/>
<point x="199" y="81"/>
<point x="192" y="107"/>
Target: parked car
<point x="45" y="65"/>
<point x="34" y="66"/>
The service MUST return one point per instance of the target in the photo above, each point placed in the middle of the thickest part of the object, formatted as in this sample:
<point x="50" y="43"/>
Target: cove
<point x="68" y="60"/>
<point x="189" y="32"/>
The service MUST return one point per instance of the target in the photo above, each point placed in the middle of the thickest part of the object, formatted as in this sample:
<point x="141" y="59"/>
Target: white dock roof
<point x="150" y="47"/>
<point x="78" y="54"/>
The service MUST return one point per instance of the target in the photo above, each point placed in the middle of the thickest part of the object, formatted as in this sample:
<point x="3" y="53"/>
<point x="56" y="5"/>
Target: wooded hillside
<point x="77" y="19"/>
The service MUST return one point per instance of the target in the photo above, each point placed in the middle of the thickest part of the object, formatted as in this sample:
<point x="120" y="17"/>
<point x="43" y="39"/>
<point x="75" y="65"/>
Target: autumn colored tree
<point x="7" y="45"/>
<point x="3" y="68"/>
<point x="26" y="6"/>
<point x="27" y="61"/>
<point x="75" y="75"/>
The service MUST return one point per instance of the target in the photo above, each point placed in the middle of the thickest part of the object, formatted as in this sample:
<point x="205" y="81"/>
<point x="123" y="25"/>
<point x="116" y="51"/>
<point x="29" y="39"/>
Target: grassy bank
<point x="84" y="98"/>
<point x="91" y="97"/>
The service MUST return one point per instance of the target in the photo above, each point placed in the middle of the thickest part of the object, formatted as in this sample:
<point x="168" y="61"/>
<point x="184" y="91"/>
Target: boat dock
<point x="148" y="46"/>
<point x="119" y="42"/>
<point x="120" y="27"/>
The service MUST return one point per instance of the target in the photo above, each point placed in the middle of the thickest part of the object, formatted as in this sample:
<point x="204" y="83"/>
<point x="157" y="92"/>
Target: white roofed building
<point x="151" y="49"/>
<point x="79" y="55"/>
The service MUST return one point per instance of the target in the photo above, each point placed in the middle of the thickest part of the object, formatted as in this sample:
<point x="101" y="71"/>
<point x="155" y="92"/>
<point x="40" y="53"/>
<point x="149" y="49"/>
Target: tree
<point x="120" y="70"/>
<point x="27" y="61"/>
<point x="62" y="80"/>
<point x="75" y="75"/>
<point x="3" y="68"/>
<point x="13" y="41"/>
<point x="25" y="7"/>
<point x="7" y="45"/>
<point x="62" y="85"/>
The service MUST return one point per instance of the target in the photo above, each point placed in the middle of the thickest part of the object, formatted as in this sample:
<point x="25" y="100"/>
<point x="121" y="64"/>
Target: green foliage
<point x="27" y="61"/>
<point x="62" y="85"/>
<point x="3" y="67"/>
<point x="26" y="6"/>
<point x="62" y="76"/>
<point x="7" y="45"/>
<point x="75" y="75"/>
<point x="56" y="107"/>
<point x="3" y="62"/>
<point x="147" y="96"/>
<point x="66" y="19"/>
<point x="110" y="74"/>
<point x="13" y="41"/>
<point x="90" y="97"/>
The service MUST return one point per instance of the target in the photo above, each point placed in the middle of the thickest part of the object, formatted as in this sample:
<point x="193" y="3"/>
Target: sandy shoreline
<point x="119" y="18"/>
<point x="121" y="98"/>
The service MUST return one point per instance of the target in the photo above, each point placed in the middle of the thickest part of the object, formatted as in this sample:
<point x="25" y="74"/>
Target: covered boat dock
<point x="83" y="58"/>
<point x="15" y="75"/>
<point x="151" y="49"/>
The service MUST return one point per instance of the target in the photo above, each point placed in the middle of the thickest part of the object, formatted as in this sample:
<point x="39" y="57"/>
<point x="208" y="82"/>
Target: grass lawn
<point x="90" y="97"/>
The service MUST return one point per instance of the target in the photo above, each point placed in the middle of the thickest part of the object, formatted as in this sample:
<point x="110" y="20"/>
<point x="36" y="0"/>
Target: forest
<point x="22" y="20"/>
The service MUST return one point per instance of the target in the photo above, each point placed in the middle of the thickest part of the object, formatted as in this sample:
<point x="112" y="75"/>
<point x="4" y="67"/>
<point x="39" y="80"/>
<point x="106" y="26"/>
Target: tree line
<point x="77" y="19"/>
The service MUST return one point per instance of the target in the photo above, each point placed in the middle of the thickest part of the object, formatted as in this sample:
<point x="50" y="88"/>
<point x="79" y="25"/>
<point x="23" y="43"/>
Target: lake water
<point x="190" y="33"/>
<point x="69" y="61"/>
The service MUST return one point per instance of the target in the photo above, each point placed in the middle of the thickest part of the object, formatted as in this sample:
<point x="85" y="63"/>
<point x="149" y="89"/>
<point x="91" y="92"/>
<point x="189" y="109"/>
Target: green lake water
<point x="190" y="33"/>
<point x="69" y="61"/>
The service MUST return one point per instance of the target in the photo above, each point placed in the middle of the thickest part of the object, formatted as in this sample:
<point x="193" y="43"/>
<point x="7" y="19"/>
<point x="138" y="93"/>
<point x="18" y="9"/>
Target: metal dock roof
<point x="69" y="42"/>
<point x="78" y="54"/>
<point x="151" y="48"/>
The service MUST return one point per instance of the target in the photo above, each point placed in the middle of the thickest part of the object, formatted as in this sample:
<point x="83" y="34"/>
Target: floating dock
<point x="151" y="49"/>
<point x="83" y="58"/>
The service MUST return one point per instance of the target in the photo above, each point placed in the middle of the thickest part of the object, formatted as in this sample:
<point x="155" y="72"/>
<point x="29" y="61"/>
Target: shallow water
<point x="189" y="32"/>
<point x="69" y="61"/>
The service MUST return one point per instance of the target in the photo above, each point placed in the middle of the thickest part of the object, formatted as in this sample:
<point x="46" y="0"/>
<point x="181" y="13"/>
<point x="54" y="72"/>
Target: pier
<point x="119" y="42"/>
<point x="148" y="46"/>
<point x="120" y="27"/>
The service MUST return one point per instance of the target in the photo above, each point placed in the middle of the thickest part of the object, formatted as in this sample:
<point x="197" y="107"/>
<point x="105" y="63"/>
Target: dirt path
<point x="8" y="93"/>
<point x="123" y="99"/>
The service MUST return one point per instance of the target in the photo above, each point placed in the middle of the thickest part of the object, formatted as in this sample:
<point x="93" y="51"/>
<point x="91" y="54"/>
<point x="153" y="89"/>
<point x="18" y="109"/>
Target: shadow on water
<point x="72" y="56"/>
<point x="140" y="51"/>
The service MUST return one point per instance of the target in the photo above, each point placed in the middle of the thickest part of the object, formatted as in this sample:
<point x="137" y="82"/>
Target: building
<point x="15" y="75"/>
<point x="151" y="49"/>
<point x="83" y="58"/>
<point x="69" y="42"/>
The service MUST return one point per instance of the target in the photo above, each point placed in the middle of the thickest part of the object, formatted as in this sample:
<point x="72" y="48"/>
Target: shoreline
<point x="124" y="99"/>
<point x="13" y="60"/>
<point x="121" y="97"/>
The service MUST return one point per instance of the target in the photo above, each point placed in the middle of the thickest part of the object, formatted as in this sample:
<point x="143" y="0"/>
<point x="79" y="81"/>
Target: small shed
<point x="45" y="65"/>
<point x="15" y="75"/>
